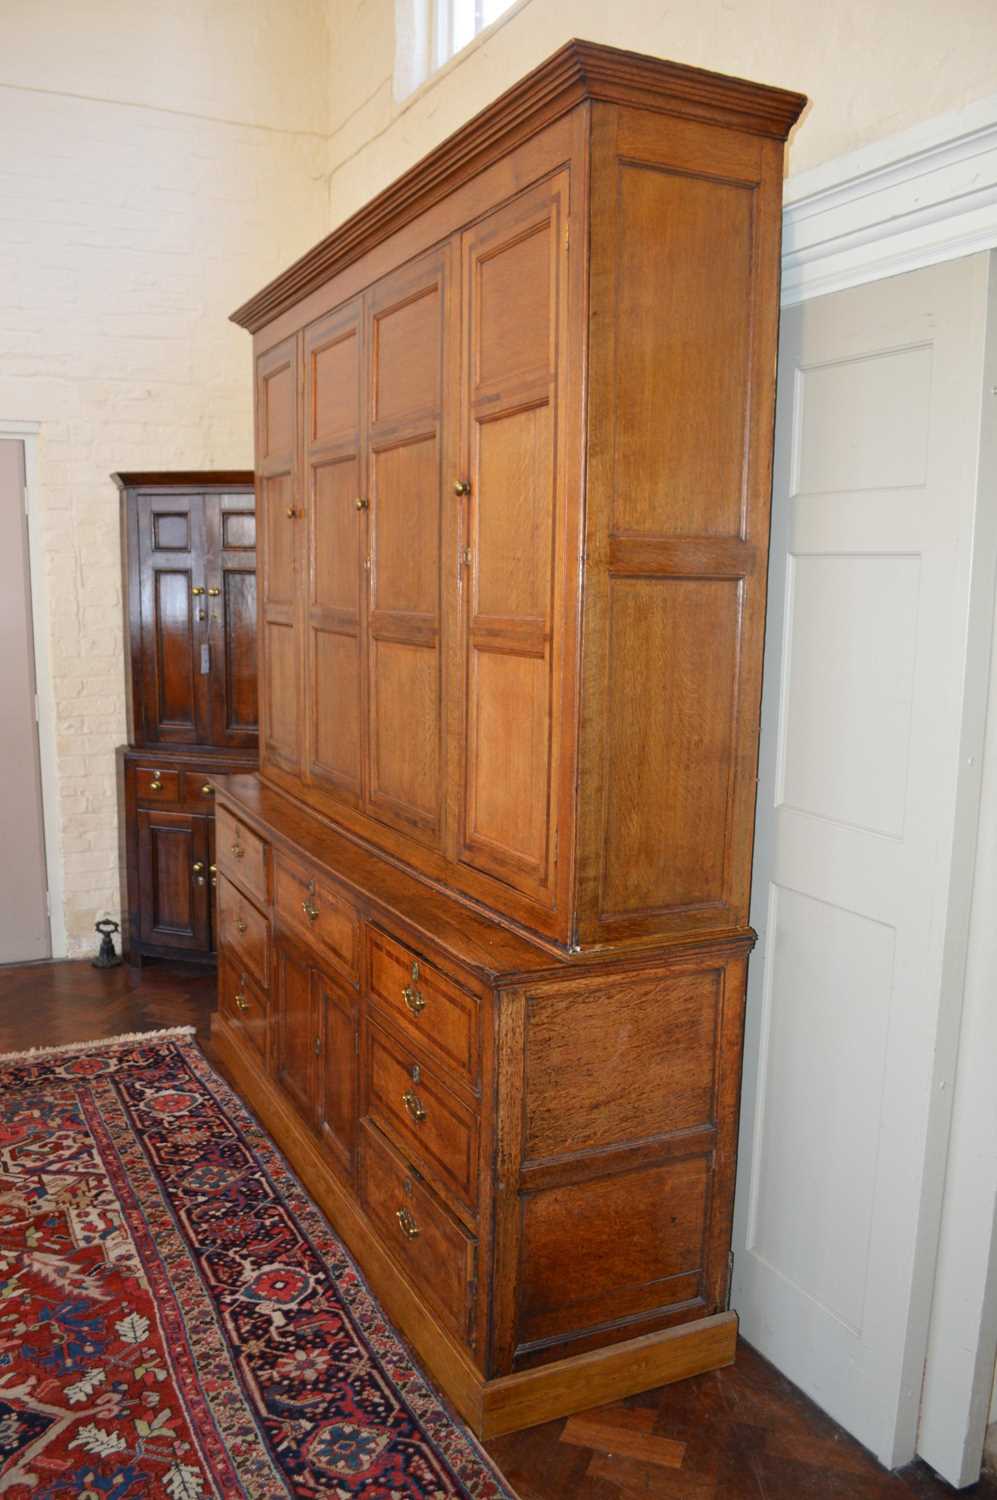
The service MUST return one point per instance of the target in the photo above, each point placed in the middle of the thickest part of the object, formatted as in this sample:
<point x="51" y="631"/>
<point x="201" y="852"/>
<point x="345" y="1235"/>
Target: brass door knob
<point x="291" y="512"/>
<point x="197" y="591"/>
<point x="199" y="867"/>
<point x="156" y="784"/>
<point x="213" y="593"/>
<point x="207" y="789"/>
<point x="361" y="502"/>
<point x="462" y="487"/>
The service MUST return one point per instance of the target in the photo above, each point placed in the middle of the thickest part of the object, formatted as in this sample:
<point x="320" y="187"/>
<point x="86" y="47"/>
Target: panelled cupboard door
<point x="176" y="703"/>
<point x="174" y="855"/>
<point x="406" y="337"/>
<point x="230" y="605"/>
<point x="338" y="1023"/>
<point x="297" y="1039"/>
<point x="335" y="613"/>
<point x="512" y="415"/>
<point x="280" y="514"/>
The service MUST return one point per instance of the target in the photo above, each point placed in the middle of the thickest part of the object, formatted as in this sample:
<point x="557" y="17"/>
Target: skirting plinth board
<point x="490" y="1407"/>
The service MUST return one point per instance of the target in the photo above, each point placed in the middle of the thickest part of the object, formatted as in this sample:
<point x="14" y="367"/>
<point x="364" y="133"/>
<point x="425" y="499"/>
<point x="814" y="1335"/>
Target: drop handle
<point x="409" y="1227"/>
<point x="414" y="1105"/>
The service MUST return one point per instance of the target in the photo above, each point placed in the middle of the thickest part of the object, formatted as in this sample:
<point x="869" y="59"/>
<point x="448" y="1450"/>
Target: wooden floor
<point x="744" y="1433"/>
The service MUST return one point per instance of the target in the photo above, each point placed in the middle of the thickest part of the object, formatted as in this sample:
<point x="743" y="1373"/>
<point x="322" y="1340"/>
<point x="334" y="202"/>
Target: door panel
<point x="230" y="530"/>
<point x="171" y="564"/>
<point x="334" y="364"/>
<point x="24" y="923"/>
<point x="280" y="514"/>
<point x="337" y="1013"/>
<point x="406" y="320"/>
<point x="296" y="1036"/>
<point x="511" y="386"/>
<point x="175" y="894"/>
<point x="871" y="729"/>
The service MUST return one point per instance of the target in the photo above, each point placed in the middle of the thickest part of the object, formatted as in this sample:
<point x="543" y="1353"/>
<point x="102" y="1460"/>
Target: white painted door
<point x="24" y="924"/>
<point x="872" y="722"/>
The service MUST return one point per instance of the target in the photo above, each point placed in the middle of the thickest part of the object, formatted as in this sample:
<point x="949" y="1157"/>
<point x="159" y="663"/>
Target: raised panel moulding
<point x="926" y="195"/>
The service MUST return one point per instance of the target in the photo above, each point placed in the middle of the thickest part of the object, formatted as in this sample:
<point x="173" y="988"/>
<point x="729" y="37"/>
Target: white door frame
<point x="27" y="433"/>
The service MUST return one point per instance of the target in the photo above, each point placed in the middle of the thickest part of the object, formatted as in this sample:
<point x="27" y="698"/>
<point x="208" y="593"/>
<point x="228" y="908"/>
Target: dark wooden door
<point x="297" y="1040"/>
<point x="230" y="573"/>
<point x="170" y="538"/>
<point x="281" y="518"/>
<point x="336" y="1009"/>
<point x="512" y="420"/>
<point x="407" y="448"/>
<point x="174" y="880"/>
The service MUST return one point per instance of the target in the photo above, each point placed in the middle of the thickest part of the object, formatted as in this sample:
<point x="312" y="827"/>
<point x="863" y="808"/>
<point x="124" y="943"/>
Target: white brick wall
<point x="127" y="235"/>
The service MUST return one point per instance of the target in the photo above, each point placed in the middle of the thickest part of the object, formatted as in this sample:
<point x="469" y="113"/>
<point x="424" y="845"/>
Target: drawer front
<point x="437" y="1254"/>
<point x="245" y="931"/>
<point x="315" y="909"/>
<point x="431" y="1009"/>
<point x="199" y="790"/>
<point x="155" y="785"/>
<point x="242" y="856"/>
<point x="432" y="1126"/>
<point x="243" y="1004"/>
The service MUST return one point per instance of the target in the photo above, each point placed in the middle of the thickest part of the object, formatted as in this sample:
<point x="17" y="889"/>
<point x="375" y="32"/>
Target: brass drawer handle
<point x="414" y="1105"/>
<point x="207" y="789"/>
<point x="240" y="926"/>
<point x="241" y="1001"/>
<point x="238" y="850"/>
<point x="309" y="908"/>
<point x="409" y="1227"/>
<point x="414" y="999"/>
<point x="156" y="784"/>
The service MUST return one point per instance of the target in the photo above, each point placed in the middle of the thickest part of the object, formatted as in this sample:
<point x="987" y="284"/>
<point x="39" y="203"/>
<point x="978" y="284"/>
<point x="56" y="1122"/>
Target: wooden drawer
<point x="242" y="1004"/>
<point x="157" y="785"/>
<point x="433" y="1127"/>
<point x="242" y="856"/>
<point x="437" y="1254"/>
<point x="245" y="930"/>
<point x="430" y="1008"/>
<point x="318" y="912"/>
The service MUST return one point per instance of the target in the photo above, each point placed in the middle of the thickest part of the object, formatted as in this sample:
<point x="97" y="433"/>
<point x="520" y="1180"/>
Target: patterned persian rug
<point x="177" y="1318"/>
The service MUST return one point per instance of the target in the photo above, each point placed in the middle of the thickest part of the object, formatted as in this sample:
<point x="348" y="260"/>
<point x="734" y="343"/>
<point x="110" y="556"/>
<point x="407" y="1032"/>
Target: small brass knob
<point x="361" y="502"/>
<point x="207" y="789"/>
<point x="240" y="925"/>
<point x="241" y="1001"/>
<point x="462" y="487"/>
<point x="197" y="591"/>
<point x="291" y="513"/>
<point x="199" y="867"/>
<point x="156" y="785"/>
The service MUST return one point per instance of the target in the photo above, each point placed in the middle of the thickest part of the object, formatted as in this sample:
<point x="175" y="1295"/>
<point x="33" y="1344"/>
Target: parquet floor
<point x="745" y="1433"/>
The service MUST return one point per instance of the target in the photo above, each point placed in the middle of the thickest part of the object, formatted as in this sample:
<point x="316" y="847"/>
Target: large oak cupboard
<point x="513" y="430"/>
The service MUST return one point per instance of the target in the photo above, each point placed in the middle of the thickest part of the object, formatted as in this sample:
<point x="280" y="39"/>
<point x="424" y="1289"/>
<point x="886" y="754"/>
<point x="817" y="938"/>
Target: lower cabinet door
<point x="174" y="880"/>
<point x="297" y="1035"/>
<point x="337" y="1083"/>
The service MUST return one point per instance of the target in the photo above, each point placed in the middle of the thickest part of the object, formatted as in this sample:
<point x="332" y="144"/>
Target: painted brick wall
<point x="128" y="232"/>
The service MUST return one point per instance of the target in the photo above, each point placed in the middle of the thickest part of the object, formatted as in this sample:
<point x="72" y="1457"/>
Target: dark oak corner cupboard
<point x="188" y="561"/>
<point x="484" y="913"/>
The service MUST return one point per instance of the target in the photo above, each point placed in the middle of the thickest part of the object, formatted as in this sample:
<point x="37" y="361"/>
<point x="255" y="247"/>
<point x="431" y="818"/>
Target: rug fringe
<point x="96" y="1046"/>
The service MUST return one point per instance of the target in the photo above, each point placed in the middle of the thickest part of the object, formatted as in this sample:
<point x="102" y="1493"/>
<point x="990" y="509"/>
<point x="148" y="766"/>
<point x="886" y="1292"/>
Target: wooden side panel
<point x="280" y="515"/>
<point x="170" y="535"/>
<point x="337" y="531"/>
<point x="685" y="227"/>
<point x="513" y="388"/>
<point x="406" y="320"/>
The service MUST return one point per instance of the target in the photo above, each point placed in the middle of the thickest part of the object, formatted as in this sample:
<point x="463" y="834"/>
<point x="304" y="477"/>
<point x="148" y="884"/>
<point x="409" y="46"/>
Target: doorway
<point x="25" y="930"/>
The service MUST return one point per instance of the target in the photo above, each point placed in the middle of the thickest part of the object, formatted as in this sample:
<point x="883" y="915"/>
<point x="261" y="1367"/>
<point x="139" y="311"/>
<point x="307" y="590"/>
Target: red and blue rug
<point x="177" y="1318"/>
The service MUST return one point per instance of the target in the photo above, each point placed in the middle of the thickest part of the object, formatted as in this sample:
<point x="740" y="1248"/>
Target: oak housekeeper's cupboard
<point x="484" y="914"/>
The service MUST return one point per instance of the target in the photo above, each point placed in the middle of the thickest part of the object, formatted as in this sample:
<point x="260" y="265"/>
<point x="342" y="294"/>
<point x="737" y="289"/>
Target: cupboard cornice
<point x="580" y="71"/>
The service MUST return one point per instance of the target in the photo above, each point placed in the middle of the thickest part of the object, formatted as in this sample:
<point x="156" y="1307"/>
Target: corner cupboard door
<point x="171" y="566"/>
<point x="230" y="576"/>
<point x="337" y="528"/>
<point x="406" y="337"/>
<point x="174" y="890"/>
<point x="280" y="516"/>
<point x="515" y="297"/>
